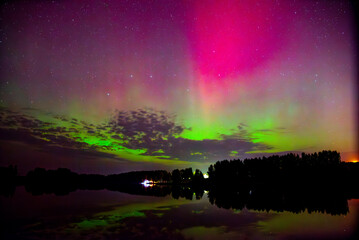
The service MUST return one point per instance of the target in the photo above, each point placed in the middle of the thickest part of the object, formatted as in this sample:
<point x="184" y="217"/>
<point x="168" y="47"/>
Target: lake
<point x="103" y="214"/>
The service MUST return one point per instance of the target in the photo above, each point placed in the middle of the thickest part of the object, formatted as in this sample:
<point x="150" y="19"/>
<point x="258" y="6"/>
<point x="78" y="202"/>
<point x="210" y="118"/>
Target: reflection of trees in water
<point x="265" y="198"/>
<point x="261" y="198"/>
<point x="314" y="182"/>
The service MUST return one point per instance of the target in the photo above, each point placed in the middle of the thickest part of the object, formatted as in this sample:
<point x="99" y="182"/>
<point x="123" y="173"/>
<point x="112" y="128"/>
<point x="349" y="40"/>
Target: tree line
<point x="324" y="168"/>
<point x="318" y="182"/>
<point x="62" y="180"/>
<point x="320" y="170"/>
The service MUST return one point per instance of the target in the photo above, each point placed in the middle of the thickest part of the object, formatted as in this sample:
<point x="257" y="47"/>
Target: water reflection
<point x="181" y="213"/>
<point x="332" y="201"/>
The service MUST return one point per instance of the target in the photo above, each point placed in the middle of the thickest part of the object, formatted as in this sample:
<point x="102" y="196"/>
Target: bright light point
<point x="354" y="161"/>
<point x="147" y="183"/>
<point x="205" y="175"/>
<point x="108" y="94"/>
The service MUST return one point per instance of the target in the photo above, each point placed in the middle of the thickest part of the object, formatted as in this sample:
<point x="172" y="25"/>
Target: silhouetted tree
<point x="8" y="180"/>
<point x="197" y="178"/>
<point x="176" y="176"/>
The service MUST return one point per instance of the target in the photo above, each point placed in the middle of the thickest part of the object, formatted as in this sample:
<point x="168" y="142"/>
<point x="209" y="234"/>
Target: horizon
<point x="204" y="171"/>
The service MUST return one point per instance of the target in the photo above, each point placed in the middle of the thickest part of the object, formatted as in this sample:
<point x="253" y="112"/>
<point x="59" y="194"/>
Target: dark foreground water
<point x="104" y="214"/>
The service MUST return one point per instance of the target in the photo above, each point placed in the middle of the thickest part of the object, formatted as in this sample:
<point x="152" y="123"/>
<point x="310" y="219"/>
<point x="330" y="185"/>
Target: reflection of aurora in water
<point x="116" y="215"/>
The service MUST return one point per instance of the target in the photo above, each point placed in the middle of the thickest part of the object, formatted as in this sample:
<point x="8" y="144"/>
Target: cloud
<point x="153" y="133"/>
<point x="159" y="134"/>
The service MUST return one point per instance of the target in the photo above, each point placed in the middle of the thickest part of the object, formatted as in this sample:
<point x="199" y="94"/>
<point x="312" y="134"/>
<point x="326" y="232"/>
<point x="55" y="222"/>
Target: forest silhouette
<point x="317" y="182"/>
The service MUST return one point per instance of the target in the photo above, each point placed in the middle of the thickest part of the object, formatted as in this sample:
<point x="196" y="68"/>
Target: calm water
<point x="105" y="214"/>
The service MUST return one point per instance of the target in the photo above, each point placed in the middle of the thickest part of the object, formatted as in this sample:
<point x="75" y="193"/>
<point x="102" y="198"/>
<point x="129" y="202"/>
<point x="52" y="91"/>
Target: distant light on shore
<point x="147" y="183"/>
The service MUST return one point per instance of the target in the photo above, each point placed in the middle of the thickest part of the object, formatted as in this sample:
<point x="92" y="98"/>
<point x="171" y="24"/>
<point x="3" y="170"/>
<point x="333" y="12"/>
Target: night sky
<point x="114" y="86"/>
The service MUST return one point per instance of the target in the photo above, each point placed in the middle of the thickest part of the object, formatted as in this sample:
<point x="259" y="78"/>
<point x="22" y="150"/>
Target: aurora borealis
<point x="112" y="86"/>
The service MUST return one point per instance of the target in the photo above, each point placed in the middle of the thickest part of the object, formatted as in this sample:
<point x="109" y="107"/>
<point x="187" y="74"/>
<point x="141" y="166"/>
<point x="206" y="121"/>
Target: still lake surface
<point x="103" y="214"/>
